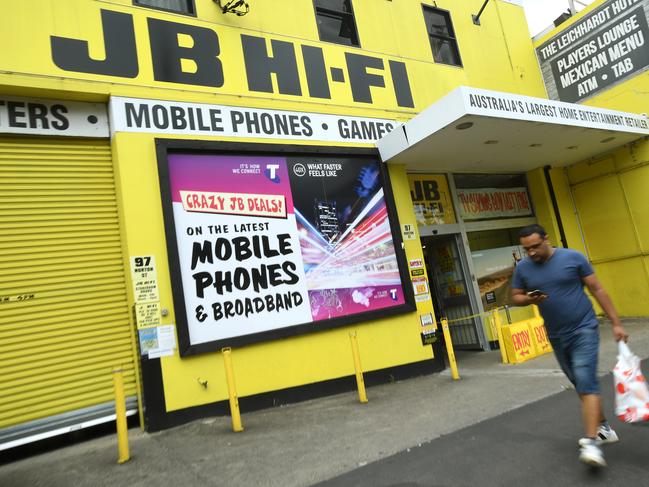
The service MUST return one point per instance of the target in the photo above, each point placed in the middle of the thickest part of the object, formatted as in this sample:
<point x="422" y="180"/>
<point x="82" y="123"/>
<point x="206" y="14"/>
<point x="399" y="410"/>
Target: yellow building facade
<point x="104" y="105"/>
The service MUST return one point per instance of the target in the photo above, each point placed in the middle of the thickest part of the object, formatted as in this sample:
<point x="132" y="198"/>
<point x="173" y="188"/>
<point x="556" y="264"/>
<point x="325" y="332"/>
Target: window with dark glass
<point x="180" y="6"/>
<point x="336" y="23"/>
<point x="442" y="36"/>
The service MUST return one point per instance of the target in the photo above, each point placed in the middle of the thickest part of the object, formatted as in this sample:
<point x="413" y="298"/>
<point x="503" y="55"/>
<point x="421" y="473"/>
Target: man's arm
<point x="604" y="300"/>
<point x="521" y="298"/>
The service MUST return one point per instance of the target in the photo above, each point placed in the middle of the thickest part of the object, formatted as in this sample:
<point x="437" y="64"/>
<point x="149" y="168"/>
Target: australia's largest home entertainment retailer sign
<point x="606" y="46"/>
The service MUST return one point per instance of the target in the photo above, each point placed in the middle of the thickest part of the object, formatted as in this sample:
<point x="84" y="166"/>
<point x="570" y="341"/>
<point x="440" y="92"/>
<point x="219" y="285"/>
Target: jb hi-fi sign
<point x="263" y="59"/>
<point x="606" y="46"/>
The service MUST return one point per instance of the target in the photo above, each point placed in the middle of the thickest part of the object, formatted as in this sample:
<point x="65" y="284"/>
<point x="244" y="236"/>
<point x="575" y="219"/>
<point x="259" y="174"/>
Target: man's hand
<point x="536" y="299"/>
<point x="519" y="297"/>
<point x="620" y="333"/>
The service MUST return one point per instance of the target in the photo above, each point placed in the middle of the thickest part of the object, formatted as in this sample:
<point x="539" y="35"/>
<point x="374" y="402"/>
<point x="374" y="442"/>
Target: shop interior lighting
<point x="236" y="7"/>
<point x="464" y="125"/>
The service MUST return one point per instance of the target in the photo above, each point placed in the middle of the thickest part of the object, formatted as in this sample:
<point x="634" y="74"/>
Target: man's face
<point x="537" y="247"/>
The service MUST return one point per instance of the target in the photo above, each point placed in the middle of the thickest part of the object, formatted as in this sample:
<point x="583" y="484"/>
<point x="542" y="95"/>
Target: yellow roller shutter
<point x="64" y="320"/>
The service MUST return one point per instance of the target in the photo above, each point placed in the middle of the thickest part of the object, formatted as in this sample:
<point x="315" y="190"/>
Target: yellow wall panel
<point x="562" y="193"/>
<point x="281" y="364"/>
<point x="626" y="282"/>
<point x="635" y="184"/>
<point x="604" y="218"/>
<point x="584" y="171"/>
<point x="632" y="155"/>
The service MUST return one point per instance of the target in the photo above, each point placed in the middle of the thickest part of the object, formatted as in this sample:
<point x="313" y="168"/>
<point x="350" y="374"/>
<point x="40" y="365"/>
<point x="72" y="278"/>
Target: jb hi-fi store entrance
<point x="477" y="161"/>
<point x="470" y="251"/>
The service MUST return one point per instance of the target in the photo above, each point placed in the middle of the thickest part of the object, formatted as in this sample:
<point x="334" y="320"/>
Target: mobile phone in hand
<point x="535" y="293"/>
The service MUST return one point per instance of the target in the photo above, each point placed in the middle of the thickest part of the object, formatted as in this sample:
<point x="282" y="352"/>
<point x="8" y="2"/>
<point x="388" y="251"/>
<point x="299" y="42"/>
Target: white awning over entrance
<point x="474" y="130"/>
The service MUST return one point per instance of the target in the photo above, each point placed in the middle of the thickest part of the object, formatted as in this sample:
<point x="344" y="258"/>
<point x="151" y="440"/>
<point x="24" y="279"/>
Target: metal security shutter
<point x="64" y="320"/>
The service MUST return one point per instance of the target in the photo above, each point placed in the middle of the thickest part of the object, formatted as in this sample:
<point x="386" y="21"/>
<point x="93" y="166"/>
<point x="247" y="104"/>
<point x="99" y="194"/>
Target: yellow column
<point x="501" y="340"/>
<point x="360" y="383"/>
<point x="449" y="349"/>
<point x="232" y="391"/>
<point x="120" y="416"/>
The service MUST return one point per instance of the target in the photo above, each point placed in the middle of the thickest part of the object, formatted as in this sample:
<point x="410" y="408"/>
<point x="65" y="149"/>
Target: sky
<point x="541" y="13"/>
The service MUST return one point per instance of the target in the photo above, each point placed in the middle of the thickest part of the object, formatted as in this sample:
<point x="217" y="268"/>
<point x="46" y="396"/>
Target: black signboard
<point x="606" y="46"/>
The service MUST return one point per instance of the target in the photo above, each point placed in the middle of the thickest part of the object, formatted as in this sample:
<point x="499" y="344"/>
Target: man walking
<point x="554" y="279"/>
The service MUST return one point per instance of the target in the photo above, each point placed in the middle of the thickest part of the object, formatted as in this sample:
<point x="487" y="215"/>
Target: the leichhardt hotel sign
<point x="606" y="46"/>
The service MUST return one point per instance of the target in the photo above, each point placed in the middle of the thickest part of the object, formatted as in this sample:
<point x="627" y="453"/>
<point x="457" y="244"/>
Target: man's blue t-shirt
<point x="567" y="307"/>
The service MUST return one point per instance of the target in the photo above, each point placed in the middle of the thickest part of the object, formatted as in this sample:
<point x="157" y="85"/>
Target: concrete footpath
<point x="424" y="431"/>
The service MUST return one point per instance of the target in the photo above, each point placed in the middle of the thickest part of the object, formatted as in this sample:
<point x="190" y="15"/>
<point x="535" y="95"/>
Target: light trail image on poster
<point x="345" y="236"/>
<point x="267" y="243"/>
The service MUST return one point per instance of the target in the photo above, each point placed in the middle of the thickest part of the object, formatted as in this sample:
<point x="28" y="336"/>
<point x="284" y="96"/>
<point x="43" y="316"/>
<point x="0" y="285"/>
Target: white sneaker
<point x="590" y="453"/>
<point x="605" y="434"/>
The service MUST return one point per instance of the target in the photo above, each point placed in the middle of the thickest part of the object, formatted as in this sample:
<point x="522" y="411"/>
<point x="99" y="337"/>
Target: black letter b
<point x="167" y="54"/>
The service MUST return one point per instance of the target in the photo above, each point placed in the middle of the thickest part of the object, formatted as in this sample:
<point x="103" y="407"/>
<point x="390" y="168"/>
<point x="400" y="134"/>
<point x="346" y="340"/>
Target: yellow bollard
<point x="449" y="349"/>
<point x="492" y="326"/>
<point x="120" y="417"/>
<point x="232" y="391"/>
<point x="501" y="340"/>
<point x="360" y="383"/>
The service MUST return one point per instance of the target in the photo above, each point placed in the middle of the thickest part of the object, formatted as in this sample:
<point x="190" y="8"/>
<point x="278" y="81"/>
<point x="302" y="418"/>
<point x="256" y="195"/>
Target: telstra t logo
<point x="271" y="172"/>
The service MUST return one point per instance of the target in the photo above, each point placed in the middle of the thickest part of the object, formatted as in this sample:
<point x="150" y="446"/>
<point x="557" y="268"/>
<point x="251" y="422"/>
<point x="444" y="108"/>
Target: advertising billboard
<point x="607" y="45"/>
<point x="268" y="245"/>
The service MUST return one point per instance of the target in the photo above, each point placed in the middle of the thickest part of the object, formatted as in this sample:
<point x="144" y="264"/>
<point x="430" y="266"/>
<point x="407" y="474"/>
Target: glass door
<point x="451" y="290"/>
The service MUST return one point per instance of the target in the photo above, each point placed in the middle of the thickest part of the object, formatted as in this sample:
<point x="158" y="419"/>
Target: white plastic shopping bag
<point x="631" y="391"/>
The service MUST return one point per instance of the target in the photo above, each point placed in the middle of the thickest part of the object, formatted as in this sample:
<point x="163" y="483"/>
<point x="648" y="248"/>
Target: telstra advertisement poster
<point x="267" y="244"/>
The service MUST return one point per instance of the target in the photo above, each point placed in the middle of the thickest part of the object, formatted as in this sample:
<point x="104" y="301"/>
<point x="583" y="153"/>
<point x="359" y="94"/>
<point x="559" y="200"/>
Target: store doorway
<point x="451" y="291"/>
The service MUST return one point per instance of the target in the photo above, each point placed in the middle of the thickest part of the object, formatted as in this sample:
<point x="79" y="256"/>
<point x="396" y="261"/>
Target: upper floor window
<point x="180" y="6"/>
<point x="336" y="22"/>
<point x="442" y="36"/>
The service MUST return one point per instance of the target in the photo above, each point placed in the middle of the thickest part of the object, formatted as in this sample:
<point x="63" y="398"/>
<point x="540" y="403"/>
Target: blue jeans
<point x="577" y="354"/>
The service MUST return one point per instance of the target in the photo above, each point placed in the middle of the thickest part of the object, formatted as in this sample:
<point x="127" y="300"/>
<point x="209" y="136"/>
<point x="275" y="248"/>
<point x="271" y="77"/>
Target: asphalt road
<point x="535" y="445"/>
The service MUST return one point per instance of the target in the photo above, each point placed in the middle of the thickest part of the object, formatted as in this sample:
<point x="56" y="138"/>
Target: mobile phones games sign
<point x="269" y="243"/>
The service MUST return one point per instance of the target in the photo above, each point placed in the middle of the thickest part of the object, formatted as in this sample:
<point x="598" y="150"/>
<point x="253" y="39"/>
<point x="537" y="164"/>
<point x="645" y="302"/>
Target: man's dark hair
<point x="532" y="229"/>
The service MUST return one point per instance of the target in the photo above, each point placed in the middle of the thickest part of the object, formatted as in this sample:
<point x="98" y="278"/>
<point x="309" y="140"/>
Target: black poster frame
<point x="164" y="147"/>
